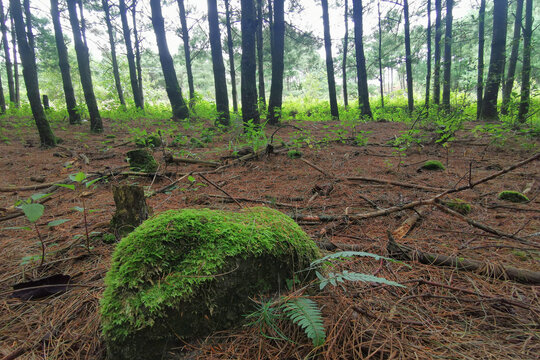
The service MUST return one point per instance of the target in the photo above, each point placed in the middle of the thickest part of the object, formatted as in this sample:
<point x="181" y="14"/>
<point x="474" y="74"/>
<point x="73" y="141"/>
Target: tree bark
<point x="130" y="56"/>
<point x="63" y="63"/>
<point x="329" y="62"/>
<point x="496" y="61"/>
<point x="232" y="70"/>
<point x="526" y="72"/>
<point x="428" y="62"/>
<point x="137" y="52"/>
<point x="15" y="63"/>
<point x="248" y="81"/>
<point x="46" y="135"/>
<point x="278" y="49"/>
<point x="83" y="60"/>
<point x="408" y="59"/>
<point x="509" y="83"/>
<point x="106" y="9"/>
<point x="447" y="56"/>
<point x="174" y="92"/>
<point x="381" y="79"/>
<point x="260" y="64"/>
<point x="2" y="98"/>
<point x="363" y="93"/>
<point x="220" y="82"/>
<point x="481" y="40"/>
<point x="9" y="65"/>
<point x="83" y="22"/>
<point x="187" y="51"/>
<point x="29" y="32"/>
<point x="437" y="54"/>
<point x="345" y="48"/>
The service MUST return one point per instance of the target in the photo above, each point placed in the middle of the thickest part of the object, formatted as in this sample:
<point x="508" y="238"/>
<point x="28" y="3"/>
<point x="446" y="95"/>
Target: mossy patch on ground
<point x="433" y="165"/>
<point x="513" y="196"/>
<point x="142" y="160"/>
<point x="294" y="154"/>
<point x="459" y="205"/>
<point x="189" y="272"/>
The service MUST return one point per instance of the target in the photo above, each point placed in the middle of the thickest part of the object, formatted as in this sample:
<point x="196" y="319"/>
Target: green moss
<point x="460" y="206"/>
<point x="294" y="154"/>
<point x="169" y="268"/>
<point x="142" y="160"/>
<point x="513" y="196"/>
<point x="433" y="165"/>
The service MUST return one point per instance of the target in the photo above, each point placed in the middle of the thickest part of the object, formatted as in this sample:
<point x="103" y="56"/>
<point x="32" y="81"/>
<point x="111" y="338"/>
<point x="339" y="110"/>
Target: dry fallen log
<point x="495" y="271"/>
<point x="170" y="159"/>
<point x="408" y="224"/>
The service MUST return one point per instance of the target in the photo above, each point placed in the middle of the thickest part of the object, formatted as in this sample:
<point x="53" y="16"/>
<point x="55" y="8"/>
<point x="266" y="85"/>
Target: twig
<point x="220" y="189"/>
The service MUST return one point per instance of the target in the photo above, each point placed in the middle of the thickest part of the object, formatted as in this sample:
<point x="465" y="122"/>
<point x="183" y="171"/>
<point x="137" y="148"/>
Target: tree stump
<point x="142" y="160"/>
<point x="46" y="105"/>
<point x="131" y="209"/>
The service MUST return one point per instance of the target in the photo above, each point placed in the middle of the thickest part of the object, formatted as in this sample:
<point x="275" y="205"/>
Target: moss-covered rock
<point x="513" y="196"/>
<point x="433" y="165"/>
<point x="141" y="160"/>
<point x="189" y="272"/>
<point x="458" y="205"/>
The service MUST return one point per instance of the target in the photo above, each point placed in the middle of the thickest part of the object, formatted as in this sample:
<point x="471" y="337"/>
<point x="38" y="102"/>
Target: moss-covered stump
<point x="513" y="196"/>
<point x="186" y="273"/>
<point x="141" y="160"/>
<point x="433" y="165"/>
<point x="131" y="209"/>
<point x="459" y="205"/>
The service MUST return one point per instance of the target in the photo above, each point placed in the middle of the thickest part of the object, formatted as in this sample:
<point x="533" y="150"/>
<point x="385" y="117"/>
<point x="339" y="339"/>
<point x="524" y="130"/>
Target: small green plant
<point x="433" y="165"/>
<point x="294" y="154"/>
<point x="459" y="205"/>
<point x="513" y="196"/>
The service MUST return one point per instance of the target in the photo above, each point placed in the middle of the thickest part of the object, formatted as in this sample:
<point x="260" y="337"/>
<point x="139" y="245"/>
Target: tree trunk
<point x="15" y="63"/>
<point x="220" y="82"/>
<point x="2" y="98"/>
<point x="187" y="51"/>
<point x="82" y="22"/>
<point x="174" y="92"/>
<point x="29" y="32"/>
<point x="137" y="52"/>
<point x="526" y="72"/>
<point x="509" y="83"/>
<point x="428" y="64"/>
<point x="106" y="9"/>
<point x="63" y="63"/>
<point x="260" y="65"/>
<point x="276" y="88"/>
<point x="329" y="62"/>
<point x="496" y="61"/>
<point x="248" y="81"/>
<point x="363" y="92"/>
<point x="447" y="56"/>
<point x="381" y="79"/>
<point x="345" y="48"/>
<point x="83" y="59"/>
<point x="271" y="24"/>
<point x="130" y="56"/>
<point x="9" y="65"/>
<point x="232" y="70"/>
<point x="408" y="59"/>
<point x="30" y="77"/>
<point x="437" y="54"/>
<point x="480" y="76"/>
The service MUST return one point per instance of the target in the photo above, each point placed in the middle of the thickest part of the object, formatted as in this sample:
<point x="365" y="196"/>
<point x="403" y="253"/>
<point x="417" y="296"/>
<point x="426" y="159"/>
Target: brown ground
<point x="456" y="314"/>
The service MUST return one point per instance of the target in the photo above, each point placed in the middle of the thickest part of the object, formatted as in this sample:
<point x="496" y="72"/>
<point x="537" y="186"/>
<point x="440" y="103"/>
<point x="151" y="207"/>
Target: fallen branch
<point x="253" y="200"/>
<point x="396" y="183"/>
<point x="407" y="225"/>
<point x="220" y="189"/>
<point x="170" y="159"/>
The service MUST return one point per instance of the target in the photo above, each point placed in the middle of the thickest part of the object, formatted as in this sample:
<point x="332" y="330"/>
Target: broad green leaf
<point x="78" y="177"/>
<point x="92" y="182"/>
<point x="36" y="197"/>
<point x="191" y="178"/>
<point x="78" y="208"/>
<point x="33" y="211"/>
<point x="57" y="222"/>
<point x="68" y="186"/>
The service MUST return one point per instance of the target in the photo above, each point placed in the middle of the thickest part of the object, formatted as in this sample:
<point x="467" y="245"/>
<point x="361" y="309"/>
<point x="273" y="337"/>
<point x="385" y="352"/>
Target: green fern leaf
<point x="305" y="313"/>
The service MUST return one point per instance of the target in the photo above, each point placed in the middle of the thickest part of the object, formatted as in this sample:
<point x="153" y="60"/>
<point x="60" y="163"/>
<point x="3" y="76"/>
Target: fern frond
<point x="305" y="313"/>
<point x="345" y="254"/>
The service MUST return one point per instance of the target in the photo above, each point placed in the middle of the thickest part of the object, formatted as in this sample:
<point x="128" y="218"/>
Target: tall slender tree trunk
<point x="220" y="82"/>
<point x="260" y="64"/>
<point x="271" y="24"/>
<point x="174" y="92"/>
<point x="17" y="101"/>
<point x="447" y="56"/>
<point x="509" y="83"/>
<point x="232" y="70"/>
<point x="437" y="54"/>
<point x="526" y="72"/>
<point x="187" y="51"/>
<point x="249" y="88"/>
<point x="83" y="60"/>
<point x="2" y="98"/>
<point x="481" y="40"/>
<point x="31" y="78"/>
<point x="428" y="62"/>
<point x="278" y="50"/>
<point x="82" y="22"/>
<point x="9" y="65"/>
<point x="29" y="31"/>
<point x="381" y="79"/>
<point x="130" y="56"/>
<point x="137" y="52"/>
<point x="496" y="61"/>
<point x="63" y="63"/>
<point x="110" y="30"/>
<point x="361" y="74"/>
<point x="329" y="62"/>
<point x="345" y="48"/>
<point x="408" y="59"/>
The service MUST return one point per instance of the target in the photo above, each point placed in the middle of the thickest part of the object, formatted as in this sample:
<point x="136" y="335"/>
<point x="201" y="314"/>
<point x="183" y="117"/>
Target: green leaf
<point x="345" y="254"/>
<point x="57" y="222"/>
<point x="191" y="178"/>
<point x="305" y="313"/>
<point x="353" y="276"/>
<point x="17" y="228"/>
<point x="78" y="177"/>
<point x="68" y="186"/>
<point x="36" y="197"/>
<point x="92" y="182"/>
<point x="78" y="208"/>
<point x="33" y="211"/>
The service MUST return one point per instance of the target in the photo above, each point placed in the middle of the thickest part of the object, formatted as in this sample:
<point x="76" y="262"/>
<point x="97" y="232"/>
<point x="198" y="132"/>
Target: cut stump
<point x="131" y="209"/>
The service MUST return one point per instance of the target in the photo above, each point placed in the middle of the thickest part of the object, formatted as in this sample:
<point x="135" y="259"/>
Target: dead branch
<point x="170" y="159"/>
<point x="408" y="224"/>
<point x="253" y="200"/>
<point x="221" y="189"/>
